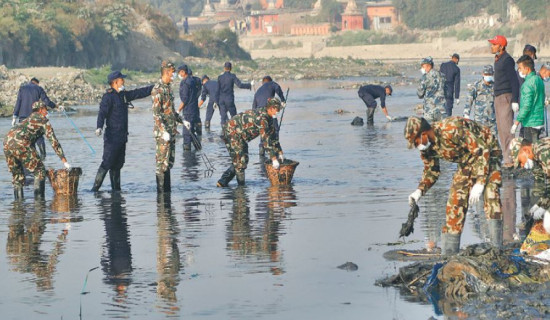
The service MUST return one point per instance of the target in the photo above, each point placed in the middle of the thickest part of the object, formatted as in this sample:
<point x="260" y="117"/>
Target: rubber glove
<point x="514" y="128"/>
<point x="283" y="104"/>
<point x="98" y="132"/>
<point x="275" y="164"/>
<point x="13" y="121"/>
<point x="475" y="193"/>
<point x="187" y="124"/>
<point x="466" y="116"/>
<point x="252" y="83"/>
<point x="538" y="213"/>
<point x="166" y="136"/>
<point x="60" y="108"/>
<point x="281" y="157"/>
<point x="415" y="196"/>
<point x="457" y="101"/>
<point x="389" y="118"/>
<point x="515" y="106"/>
<point x="67" y="165"/>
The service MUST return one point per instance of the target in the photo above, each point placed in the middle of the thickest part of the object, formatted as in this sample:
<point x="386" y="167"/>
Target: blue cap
<point x="184" y="68"/>
<point x="227" y="65"/>
<point x="115" y="75"/>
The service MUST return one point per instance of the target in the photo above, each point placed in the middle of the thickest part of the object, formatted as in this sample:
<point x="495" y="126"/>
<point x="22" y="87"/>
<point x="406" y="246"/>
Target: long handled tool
<point x="79" y="132"/>
<point x="209" y="167"/>
<point x="546" y="119"/>
<point x="283" y="113"/>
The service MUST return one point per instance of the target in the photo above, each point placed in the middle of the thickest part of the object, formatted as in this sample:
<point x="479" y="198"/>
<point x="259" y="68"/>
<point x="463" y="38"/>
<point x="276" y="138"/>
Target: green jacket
<point x="531" y="107"/>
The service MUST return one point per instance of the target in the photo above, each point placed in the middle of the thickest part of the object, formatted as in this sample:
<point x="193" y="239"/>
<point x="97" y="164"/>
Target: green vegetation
<point x="299" y="4"/>
<point x="534" y="9"/>
<point x="282" y="45"/>
<point x="469" y="34"/>
<point x="178" y="8"/>
<point x="330" y="12"/>
<point x="98" y="76"/>
<point x="365" y="37"/>
<point x="217" y="44"/>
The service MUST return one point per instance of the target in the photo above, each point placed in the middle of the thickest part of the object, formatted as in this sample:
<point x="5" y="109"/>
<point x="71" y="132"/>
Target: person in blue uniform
<point x="188" y="108"/>
<point x="28" y="94"/>
<point x="267" y="91"/>
<point x="210" y="89"/>
<point x="369" y="94"/>
<point x="225" y="97"/>
<point x="196" y="97"/>
<point x="113" y="113"/>
<point x="452" y="82"/>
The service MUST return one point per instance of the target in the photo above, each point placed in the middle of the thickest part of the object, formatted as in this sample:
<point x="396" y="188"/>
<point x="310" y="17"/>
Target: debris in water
<point x="349" y="266"/>
<point x="357" y="121"/>
<point x="408" y="227"/>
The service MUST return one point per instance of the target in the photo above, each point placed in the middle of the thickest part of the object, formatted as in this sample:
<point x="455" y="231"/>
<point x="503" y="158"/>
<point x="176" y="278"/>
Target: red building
<point x="352" y="17"/>
<point x="264" y="23"/>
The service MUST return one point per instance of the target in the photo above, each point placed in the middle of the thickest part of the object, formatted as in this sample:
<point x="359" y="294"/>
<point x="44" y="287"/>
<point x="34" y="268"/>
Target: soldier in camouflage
<point x="165" y="125"/>
<point x="431" y="89"/>
<point x="476" y="151"/>
<point x="19" y="153"/>
<point x="481" y="100"/>
<point x="243" y="128"/>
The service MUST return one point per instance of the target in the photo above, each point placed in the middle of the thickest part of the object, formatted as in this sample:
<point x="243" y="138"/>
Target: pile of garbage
<point x="477" y="272"/>
<point x="69" y="88"/>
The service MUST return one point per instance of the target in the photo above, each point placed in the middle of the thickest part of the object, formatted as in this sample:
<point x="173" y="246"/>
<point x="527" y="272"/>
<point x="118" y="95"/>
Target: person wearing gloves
<point x="113" y="114"/>
<point x="165" y="126"/>
<point x="476" y="151"/>
<point x="225" y="97"/>
<point x="19" y="153"/>
<point x="531" y="110"/>
<point x="506" y="89"/>
<point x="431" y="89"/>
<point x="210" y="89"/>
<point x="188" y="108"/>
<point x="243" y="128"/>
<point x="29" y="94"/>
<point x="369" y="94"/>
<point x="481" y="100"/>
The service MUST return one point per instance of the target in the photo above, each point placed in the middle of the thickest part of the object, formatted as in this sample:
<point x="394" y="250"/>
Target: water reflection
<point x="190" y="164"/>
<point x="509" y="206"/>
<point x="26" y="229"/>
<point x="168" y="255"/>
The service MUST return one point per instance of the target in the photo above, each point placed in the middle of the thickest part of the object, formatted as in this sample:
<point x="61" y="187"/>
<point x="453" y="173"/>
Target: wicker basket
<point x="282" y="176"/>
<point x="65" y="181"/>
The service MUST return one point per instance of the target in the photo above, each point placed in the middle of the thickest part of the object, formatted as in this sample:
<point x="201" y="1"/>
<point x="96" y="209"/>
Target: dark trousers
<point x="187" y="133"/>
<point x="370" y="115"/>
<point x="225" y="107"/>
<point x="209" y="111"/>
<point x="371" y="106"/>
<point x="531" y="134"/>
<point x="449" y="106"/>
<point x="114" y="155"/>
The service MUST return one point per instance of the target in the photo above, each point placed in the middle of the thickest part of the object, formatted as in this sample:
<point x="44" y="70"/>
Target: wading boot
<point x="186" y="146"/>
<point x="18" y="192"/>
<point x="198" y="128"/>
<point x="115" y="179"/>
<point x="100" y="176"/>
<point x="167" y="183"/>
<point x="370" y="115"/>
<point x="262" y="152"/>
<point x="42" y="150"/>
<point x="227" y="176"/>
<point x="160" y="183"/>
<point x="495" y="232"/>
<point x="207" y="125"/>
<point x="39" y="187"/>
<point x="450" y="244"/>
<point x="240" y="177"/>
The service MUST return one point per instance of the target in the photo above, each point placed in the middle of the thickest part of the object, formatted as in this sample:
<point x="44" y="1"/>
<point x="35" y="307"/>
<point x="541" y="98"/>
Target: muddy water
<point x="256" y="252"/>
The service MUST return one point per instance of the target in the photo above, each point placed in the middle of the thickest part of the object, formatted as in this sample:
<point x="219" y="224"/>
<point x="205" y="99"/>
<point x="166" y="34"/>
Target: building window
<point x="385" y="20"/>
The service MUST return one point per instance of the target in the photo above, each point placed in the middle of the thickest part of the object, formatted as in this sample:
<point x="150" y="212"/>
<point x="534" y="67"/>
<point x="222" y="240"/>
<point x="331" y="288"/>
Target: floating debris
<point x="349" y="266"/>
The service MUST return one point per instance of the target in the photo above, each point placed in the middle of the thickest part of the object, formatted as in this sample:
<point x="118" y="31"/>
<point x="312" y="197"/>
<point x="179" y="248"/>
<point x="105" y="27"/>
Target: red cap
<point x="500" y="40"/>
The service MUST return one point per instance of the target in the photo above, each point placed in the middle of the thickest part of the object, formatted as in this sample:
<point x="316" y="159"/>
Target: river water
<point x="254" y="252"/>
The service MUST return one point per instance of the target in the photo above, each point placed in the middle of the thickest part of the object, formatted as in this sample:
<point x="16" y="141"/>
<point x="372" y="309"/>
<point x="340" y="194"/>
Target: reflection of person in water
<point x="190" y="166"/>
<point x="116" y="260"/>
<point x="23" y="245"/>
<point x="168" y="255"/>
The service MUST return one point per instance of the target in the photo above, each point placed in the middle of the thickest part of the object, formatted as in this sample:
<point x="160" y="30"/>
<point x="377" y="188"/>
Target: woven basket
<point x="284" y="175"/>
<point x="65" y="181"/>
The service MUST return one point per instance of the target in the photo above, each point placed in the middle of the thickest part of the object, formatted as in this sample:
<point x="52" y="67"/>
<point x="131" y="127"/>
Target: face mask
<point x="423" y="147"/>
<point x="423" y="71"/>
<point x="546" y="79"/>
<point x="529" y="164"/>
<point x="180" y="77"/>
<point x="488" y="78"/>
<point x="121" y="88"/>
<point x="521" y="74"/>
<point x="174" y="75"/>
<point x="47" y="116"/>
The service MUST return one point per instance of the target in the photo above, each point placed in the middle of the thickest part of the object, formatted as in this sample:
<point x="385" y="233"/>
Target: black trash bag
<point x="357" y="121"/>
<point x="408" y="227"/>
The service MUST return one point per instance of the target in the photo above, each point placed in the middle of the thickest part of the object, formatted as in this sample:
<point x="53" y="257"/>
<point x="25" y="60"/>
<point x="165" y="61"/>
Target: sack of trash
<point x="357" y="121"/>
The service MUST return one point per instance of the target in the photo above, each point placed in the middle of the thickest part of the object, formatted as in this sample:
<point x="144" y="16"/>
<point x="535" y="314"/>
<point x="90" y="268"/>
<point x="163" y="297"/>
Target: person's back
<point x="266" y="91"/>
<point x="481" y="102"/>
<point x="249" y="124"/>
<point x="28" y="94"/>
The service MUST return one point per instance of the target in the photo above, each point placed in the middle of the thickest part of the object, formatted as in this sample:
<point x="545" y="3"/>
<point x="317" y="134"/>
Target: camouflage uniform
<point x="165" y="119"/>
<point x="541" y="159"/>
<point x="243" y="128"/>
<point x="478" y="155"/>
<point x="481" y="100"/>
<point x="18" y="150"/>
<point x="431" y="89"/>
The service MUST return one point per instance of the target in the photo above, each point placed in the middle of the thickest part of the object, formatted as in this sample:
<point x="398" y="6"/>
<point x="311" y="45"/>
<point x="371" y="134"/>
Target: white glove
<point x="187" y="124"/>
<point x="515" y="106"/>
<point x="281" y="157"/>
<point x="389" y="118"/>
<point x="60" y="108"/>
<point x="514" y="128"/>
<point x="166" y="136"/>
<point x="98" y="131"/>
<point x="475" y="193"/>
<point x="415" y="196"/>
<point x="252" y="83"/>
<point x="539" y="213"/>
<point x="13" y="121"/>
<point x="67" y="165"/>
<point x="457" y="101"/>
<point x="283" y="104"/>
<point x="275" y="164"/>
<point x="466" y="116"/>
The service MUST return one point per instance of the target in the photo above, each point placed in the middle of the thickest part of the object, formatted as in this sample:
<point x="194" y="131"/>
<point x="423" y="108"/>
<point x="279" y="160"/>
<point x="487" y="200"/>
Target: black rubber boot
<point x="160" y="183"/>
<point x="227" y="176"/>
<point x="18" y="192"/>
<point x="167" y="183"/>
<point x="198" y="128"/>
<point x="100" y="176"/>
<point x="495" y="232"/>
<point x="207" y="125"/>
<point x="370" y="115"/>
<point x="240" y="177"/>
<point x="186" y="146"/>
<point x="39" y="187"/>
<point x="450" y="244"/>
<point x="262" y="152"/>
<point x="42" y="150"/>
<point x="115" y="179"/>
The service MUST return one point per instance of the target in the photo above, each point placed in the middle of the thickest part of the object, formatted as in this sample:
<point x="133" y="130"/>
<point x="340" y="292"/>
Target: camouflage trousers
<point x="238" y="151"/>
<point x="165" y="154"/>
<point x="24" y="158"/>
<point x="433" y="112"/>
<point x="457" y="204"/>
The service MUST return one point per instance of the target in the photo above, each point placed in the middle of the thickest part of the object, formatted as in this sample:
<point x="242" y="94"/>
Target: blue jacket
<point x="113" y="111"/>
<point x="452" y="79"/>
<point x="210" y="88"/>
<point x="190" y="89"/>
<point x="28" y="94"/>
<point x="374" y="91"/>
<point x="226" y="82"/>
<point x="266" y="91"/>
